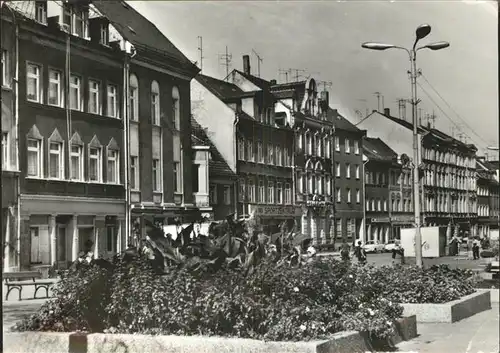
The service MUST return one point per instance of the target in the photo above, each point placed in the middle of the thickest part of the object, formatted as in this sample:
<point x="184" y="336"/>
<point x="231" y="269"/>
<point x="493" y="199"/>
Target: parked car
<point x="391" y="245"/>
<point x="373" y="246"/>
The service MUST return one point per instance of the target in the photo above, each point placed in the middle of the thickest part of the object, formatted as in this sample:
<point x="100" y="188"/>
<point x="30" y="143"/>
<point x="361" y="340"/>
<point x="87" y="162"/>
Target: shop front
<point x="398" y="222"/>
<point x="378" y="229"/>
<point x="269" y="218"/>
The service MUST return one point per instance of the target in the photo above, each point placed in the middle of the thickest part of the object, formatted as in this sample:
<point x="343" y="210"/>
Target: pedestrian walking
<point x="360" y="253"/>
<point x="475" y="249"/>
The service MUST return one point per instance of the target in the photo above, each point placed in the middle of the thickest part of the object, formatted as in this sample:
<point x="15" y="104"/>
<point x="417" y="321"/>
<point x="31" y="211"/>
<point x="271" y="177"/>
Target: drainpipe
<point x="293" y="200"/>
<point x="364" y="204"/>
<point x="235" y="146"/>
<point x="126" y="138"/>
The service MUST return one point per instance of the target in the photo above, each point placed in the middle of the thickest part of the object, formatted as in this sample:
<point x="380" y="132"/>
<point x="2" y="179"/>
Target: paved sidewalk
<point x="478" y="333"/>
<point x="14" y="311"/>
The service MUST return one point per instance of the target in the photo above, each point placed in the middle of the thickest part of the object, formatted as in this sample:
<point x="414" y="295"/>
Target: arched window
<point x="155" y="103"/>
<point x="134" y="98"/>
<point x="176" y="109"/>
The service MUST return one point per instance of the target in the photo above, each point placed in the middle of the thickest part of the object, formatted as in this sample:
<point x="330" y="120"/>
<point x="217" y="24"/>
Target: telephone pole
<point x="259" y="60"/>
<point x="226" y="61"/>
<point x="200" y="49"/>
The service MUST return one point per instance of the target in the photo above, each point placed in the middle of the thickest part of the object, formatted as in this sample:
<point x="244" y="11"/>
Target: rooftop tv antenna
<point x="282" y="72"/>
<point x="432" y="119"/>
<point x="297" y="75"/>
<point x="378" y="95"/>
<point x="226" y="61"/>
<point x="200" y="49"/>
<point x="366" y="107"/>
<point x="402" y="108"/>
<point x="326" y="84"/>
<point x="259" y="60"/>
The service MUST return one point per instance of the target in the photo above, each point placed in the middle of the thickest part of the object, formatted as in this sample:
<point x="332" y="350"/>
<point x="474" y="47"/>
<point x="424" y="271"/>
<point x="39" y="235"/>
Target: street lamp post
<point x="421" y="32"/>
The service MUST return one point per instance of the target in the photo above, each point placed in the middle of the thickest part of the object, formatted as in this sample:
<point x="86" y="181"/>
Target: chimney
<point x="246" y="64"/>
<point x="387" y="111"/>
<point x="273" y="82"/>
<point x="374" y="110"/>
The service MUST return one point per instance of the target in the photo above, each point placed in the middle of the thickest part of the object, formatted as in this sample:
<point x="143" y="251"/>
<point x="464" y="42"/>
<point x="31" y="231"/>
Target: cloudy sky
<point x="324" y="38"/>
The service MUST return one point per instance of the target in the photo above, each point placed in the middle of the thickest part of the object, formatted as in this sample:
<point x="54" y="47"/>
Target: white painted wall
<point x="244" y="84"/>
<point x="247" y="106"/>
<point x="284" y="106"/>
<point x="211" y="113"/>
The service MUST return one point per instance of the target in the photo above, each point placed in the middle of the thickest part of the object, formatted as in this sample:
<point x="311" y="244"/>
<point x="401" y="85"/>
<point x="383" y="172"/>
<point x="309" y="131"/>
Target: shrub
<point x="487" y="254"/>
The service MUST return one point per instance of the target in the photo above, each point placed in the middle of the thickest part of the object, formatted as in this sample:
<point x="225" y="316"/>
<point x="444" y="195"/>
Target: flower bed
<point x="276" y="303"/>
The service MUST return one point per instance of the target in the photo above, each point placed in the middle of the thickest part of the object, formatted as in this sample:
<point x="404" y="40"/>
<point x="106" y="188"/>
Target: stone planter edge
<point x="451" y="311"/>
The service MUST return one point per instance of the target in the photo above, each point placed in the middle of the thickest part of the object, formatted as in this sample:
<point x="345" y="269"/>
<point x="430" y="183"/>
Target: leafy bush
<point x="229" y="285"/>
<point x="487" y="254"/>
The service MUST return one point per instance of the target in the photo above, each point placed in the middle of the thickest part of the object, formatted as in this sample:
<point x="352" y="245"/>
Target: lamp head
<point x="437" y="45"/>
<point x="376" y="46"/>
<point x="423" y="31"/>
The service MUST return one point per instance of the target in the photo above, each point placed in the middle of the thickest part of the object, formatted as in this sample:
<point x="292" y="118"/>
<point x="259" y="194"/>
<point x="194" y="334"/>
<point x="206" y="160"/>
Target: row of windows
<point x="102" y="99"/>
<point x="482" y="191"/>
<point x="441" y="203"/>
<point x="275" y="154"/>
<point x="56" y="92"/>
<point x="348" y="196"/>
<point x="56" y="153"/>
<point x="348" y="168"/>
<point x="275" y="193"/>
<point x="377" y="205"/>
<point x="311" y="183"/>
<point x="450" y="180"/>
<point x="155" y="103"/>
<point x="483" y="210"/>
<point x="320" y="146"/>
<point x="448" y="157"/>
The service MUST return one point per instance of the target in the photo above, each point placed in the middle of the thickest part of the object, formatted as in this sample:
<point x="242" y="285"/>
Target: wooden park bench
<point x="17" y="280"/>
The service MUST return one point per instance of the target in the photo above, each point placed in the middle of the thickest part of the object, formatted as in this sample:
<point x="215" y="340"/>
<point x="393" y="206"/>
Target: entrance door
<point x="84" y="235"/>
<point x="61" y="249"/>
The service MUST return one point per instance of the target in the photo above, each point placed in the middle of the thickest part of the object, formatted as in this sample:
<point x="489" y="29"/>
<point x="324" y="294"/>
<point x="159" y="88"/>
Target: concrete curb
<point x="406" y="329"/>
<point x="452" y="311"/>
<point x="47" y="342"/>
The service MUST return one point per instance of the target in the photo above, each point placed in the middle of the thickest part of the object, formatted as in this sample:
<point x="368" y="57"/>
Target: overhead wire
<point x="451" y="108"/>
<point x="483" y="144"/>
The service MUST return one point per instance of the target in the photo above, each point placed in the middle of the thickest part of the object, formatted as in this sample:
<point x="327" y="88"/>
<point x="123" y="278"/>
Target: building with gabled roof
<point x="334" y="212"/>
<point x="102" y="124"/>
<point x="223" y="180"/>
<point x="448" y="175"/>
<point x="388" y="196"/>
<point x="242" y="128"/>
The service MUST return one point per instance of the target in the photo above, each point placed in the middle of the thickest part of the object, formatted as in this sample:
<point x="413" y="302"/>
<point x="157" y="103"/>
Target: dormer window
<point x="41" y="11"/>
<point x="104" y="37"/>
<point x="76" y="20"/>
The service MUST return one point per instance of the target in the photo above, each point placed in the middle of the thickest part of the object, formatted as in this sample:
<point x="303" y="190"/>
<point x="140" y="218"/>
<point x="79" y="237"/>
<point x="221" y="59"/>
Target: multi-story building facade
<point x="327" y="213"/>
<point x="223" y="181"/>
<point x="447" y="170"/>
<point x="388" y="197"/>
<point x="349" y="171"/>
<point x="10" y="163"/>
<point x="70" y="123"/>
<point x="255" y="145"/>
<point x="158" y="128"/>
<point x="97" y="96"/>
<point x="401" y="213"/>
<point x="300" y="106"/>
<point x="487" y="197"/>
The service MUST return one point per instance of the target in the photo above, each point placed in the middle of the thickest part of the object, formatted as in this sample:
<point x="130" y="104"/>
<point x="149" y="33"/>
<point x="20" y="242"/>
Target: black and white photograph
<point x="273" y="176"/>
